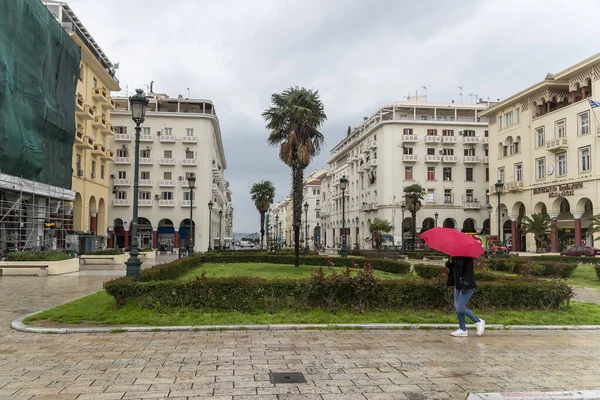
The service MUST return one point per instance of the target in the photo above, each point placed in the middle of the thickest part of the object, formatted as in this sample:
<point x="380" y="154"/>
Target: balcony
<point x="449" y="139"/>
<point x="122" y="137"/>
<point x="433" y="139"/>
<point x="167" y="138"/>
<point x="122" y="182"/>
<point x="189" y="139"/>
<point x="146" y="161"/>
<point x="79" y="137"/>
<point x="146" y="138"/>
<point x="410" y="157"/>
<point x="485" y="160"/>
<point x="471" y="205"/>
<point x="121" y="203"/>
<point x="189" y="162"/>
<point x="99" y="150"/>
<point x="433" y="159"/>
<point x="108" y="154"/>
<point x="122" y="160"/>
<point x="87" y="112"/>
<point x="185" y="183"/>
<point x="485" y="140"/>
<point x="89" y="142"/>
<point x="409" y="139"/>
<point x="167" y="161"/>
<point x="145" y="182"/>
<point x="97" y="123"/>
<point x="108" y="129"/>
<point x="514" y="186"/>
<point x="100" y="95"/>
<point x="471" y="160"/>
<point x="372" y="144"/>
<point x="449" y="159"/>
<point x="145" y="203"/>
<point x="557" y="145"/>
<point x="373" y="163"/>
<point x="79" y="104"/>
<point x="166" y="183"/>
<point x="186" y="203"/>
<point x="166" y="203"/>
<point x="471" y="139"/>
<point x="110" y="104"/>
<point x="353" y="159"/>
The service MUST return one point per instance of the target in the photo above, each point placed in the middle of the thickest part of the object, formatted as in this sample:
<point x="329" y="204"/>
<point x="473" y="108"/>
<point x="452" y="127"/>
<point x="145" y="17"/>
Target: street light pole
<point x="138" y="103"/>
<point x="191" y="184"/>
<point x="499" y="186"/>
<point x="280" y="234"/>
<point x="357" y="244"/>
<point x="220" y="229"/>
<point x="436" y="215"/>
<point x="403" y="209"/>
<point x="343" y="186"/>
<point x="306" y="228"/>
<point x="210" y="207"/>
<point x="489" y="210"/>
<point x="277" y="232"/>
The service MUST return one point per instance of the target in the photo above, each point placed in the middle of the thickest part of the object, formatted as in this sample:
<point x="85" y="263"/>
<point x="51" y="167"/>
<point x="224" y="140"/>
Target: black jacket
<point x="461" y="273"/>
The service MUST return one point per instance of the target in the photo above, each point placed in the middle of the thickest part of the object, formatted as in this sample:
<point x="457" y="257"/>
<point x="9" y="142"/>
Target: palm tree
<point x="540" y="225"/>
<point x="378" y="228"/>
<point x="294" y="119"/>
<point x="413" y="194"/>
<point x="594" y="227"/>
<point x="262" y="194"/>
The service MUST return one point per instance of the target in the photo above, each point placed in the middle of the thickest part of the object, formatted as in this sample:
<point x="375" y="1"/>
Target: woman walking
<point x="461" y="275"/>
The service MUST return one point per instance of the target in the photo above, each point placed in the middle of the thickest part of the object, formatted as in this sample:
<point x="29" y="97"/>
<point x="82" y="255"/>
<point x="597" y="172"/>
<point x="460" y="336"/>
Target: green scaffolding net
<point x="39" y="65"/>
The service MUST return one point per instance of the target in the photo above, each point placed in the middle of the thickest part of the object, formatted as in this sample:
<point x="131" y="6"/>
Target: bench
<point x="112" y="259"/>
<point x="43" y="268"/>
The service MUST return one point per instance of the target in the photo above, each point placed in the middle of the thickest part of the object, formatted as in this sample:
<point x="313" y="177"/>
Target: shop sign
<point x="568" y="189"/>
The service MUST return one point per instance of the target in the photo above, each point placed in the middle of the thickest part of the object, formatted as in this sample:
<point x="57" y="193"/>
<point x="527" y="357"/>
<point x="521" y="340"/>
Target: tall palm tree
<point x="294" y="119"/>
<point x="413" y="194"/>
<point x="594" y="226"/>
<point x="378" y="228"/>
<point x="263" y="194"/>
<point x="540" y="225"/>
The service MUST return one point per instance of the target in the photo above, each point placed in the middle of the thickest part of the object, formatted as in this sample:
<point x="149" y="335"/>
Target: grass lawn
<point x="585" y="276"/>
<point x="98" y="309"/>
<point x="267" y="271"/>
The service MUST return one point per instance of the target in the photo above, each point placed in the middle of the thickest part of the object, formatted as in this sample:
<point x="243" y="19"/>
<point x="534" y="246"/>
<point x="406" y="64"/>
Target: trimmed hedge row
<point x="413" y="255"/>
<point x="106" y="252"/>
<point x="534" y="266"/>
<point x="428" y="271"/>
<point x="52" y="255"/>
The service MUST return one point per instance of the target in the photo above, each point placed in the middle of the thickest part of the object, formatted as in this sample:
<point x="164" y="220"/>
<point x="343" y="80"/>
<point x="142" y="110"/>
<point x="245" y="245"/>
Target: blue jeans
<point x="460" y="304"/>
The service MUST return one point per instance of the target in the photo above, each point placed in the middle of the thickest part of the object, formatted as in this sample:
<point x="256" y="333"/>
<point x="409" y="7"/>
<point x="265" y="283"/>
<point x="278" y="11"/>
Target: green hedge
<point x="52" y="255"/>
<point x="535" y="266"/>
<point x="429" y="271"/>
<point x="106" y="252"/>
<point x="567" y="259"/>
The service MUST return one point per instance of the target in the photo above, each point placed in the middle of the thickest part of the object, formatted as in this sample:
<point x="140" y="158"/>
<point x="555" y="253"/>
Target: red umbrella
<point x="452" y="242"/>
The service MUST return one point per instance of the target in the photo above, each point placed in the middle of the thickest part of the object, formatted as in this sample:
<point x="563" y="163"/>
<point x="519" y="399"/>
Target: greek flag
<point x="116" y="65"/>
<point x="594" y="103"/>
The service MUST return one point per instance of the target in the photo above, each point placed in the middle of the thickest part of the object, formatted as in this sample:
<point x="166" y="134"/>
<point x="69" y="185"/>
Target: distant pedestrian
<point x="461" y="275"/>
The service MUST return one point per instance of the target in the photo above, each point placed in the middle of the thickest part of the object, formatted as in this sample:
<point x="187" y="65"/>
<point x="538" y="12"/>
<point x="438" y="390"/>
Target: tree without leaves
<point x="413" y="194"/>
<point x="294" y="119"/>
<point x="378" y="228"/>
<point x="540" y="225"/>
<point x="349" y="131"/>
<point x="262" y="194"/>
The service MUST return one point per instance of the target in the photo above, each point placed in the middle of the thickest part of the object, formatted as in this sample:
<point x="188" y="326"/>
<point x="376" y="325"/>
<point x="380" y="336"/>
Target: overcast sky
<point x="360" y="55"/>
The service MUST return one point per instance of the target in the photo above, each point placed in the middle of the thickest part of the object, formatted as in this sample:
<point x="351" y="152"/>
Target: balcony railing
<point x="146" y="138"/>
<point x="189" y="162"/>
<point x="145" y="182"/>
<point x="167" y="138"/>
<point x="122" y="137"/>
<point x="144" y="203"/>
<point x="186" y="203"/>
<point x="433" y="159"/>
<point x="471" y="205"/>
<point x="449" y="139"/>
<point x="485" y="160"/>
<point x="167" y="161"/>
<point x="121" y="202"/>
<point x="485" y="140"/>
<point x="86" y="113"/>
<point x="514" y="186"/>
<point x="373" y="163"/>
<point x="557" y="145"/>
<point x="122" y="182"/>
<point x="166" y="183"/>
<point x="166" y="203"/>
<point x="433" y="139"/>
<point x="471" y="159"/>
<point x="122" y="160"/>
<point x="372" y="144"/>
<point x="79" y="138"/>
<point x="410" y="157"/>
<point x="189" y="139"/>
<point x="471" y="139"/>
<point x="185" y="183"/>
<point x="100" y="95"/>
<point x="449" y="159"/>
<point x="79" y="104"/>
<point x="110" y="104"/>
<point x="409" y="138"/>
<point x="146" y="161"/>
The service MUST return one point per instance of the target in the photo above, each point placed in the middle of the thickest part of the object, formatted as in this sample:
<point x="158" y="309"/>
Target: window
<point x="487" y="174"/>
<point x="186" y="196"/>
<point x="469" y="173"/>
<point x="167" y="176"/>
<point x="189" y="132"/>
<point x="166" y="195"/>
<point x="486" y="134"/>
<point x="145" y="175"/>
<point x="540" y="168"/>
<point x="447" y="173"/>
<point x="121" y="195"/>
<point x="517" y="115"/>
<point x="145" y="195"/>
<point x="318" y="203"/>
<point x="584" y="123"/>
<point x="147" y="131"/>
<point x="469" y="195"/>
<point x="486" y="152"/>
<point x="122" y="153"/>
<point x="431" y="195"/>
<point x="122" y="175"/>
<point x="448" y="132"/>
<point x="561" y="164"/>
<point x="168" y="154"/>
<point x="314" y="192"/>
<point x="408" y="173"/>
<point x="469" y="152"/>
<point x="144" y="153"/>
<point x="168" y="131"/>
<point x="584" y="159"/>
<point x="189" y="174"/>
<point x="519" y="172"/>
<point x="431" y="132"/>
<point x="447" y="196"/>
<point x="500" y="122"/>
<point x="319" y="193"/>
<point x="508" y="119"/>
<point x="189" y="154"/>
<point x="559" y="129"/>
<point x="430" y="151"/>
<point x="120" y="129"/>
<point x="408" y="131"/>
<point x="94" y="82"/>
<point x="539" y="135"/>
<point x="504" y="151"/>
<point x="81" y="72"/>
<point x="93" y="169"/>
<point x="469" y="133"/>
<point x="318" y="213"/>
<point x="448" y="152"/>
<point x="501" y="174"/>
<point x="78" y="162"/>
<point x="407" y="150"/>
<point x="431" y="173"/>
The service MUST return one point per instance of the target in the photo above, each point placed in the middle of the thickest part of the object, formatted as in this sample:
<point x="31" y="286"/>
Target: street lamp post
<point x="306" y="228"/>
<point x="499" y="186"/>
<point x="403" y="209"/>
<point x="280" y="234"/>
<point x="357" y="244"/>
<point x="489" y="210"/>
<point x="277" y="232"/>
<point x="220" y="229"/>
<point x="210" y="207"/>
<point x="138" y="103"/>
<point x="191" y="183"/>
<point x="436" y="215"/>
<point x="343" y="186"/>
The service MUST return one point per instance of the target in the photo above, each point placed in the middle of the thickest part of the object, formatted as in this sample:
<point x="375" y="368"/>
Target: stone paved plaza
<point x="234" y="365"/>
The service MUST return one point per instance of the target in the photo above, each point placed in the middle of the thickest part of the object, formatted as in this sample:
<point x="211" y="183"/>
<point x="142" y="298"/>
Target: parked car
<point x="583" y="251"/>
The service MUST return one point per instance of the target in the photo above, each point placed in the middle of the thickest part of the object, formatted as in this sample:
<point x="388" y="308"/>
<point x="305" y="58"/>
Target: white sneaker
<point x="480" y="327"/>
<point x="459" y="333"/>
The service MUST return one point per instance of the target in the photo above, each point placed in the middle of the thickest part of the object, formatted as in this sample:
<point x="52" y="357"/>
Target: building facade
<point x="92" y="155"/>
<point x="443" y="147"/>
<point x="544" y="141"/>
<point x="179" y="138"/>
<point x="311" y="218"/>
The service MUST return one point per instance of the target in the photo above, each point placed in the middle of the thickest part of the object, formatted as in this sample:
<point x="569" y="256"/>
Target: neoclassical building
<point x="543" y="147"/>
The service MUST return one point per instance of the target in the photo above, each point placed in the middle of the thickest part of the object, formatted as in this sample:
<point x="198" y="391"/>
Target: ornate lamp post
<point x="280" y="234"/>
<point x="210" y="207"/>
<point x="357" y="244"/>
<point x="138" y="103"/>
<point x="403" y="209"/>
<point x="343" y="186"/>
<point x="277" y="232"/>
<point x="436" y="215"/>
<point x="220" y="229"/>
<point x="191" y="183"/>
<point x="306" y="228"/>
<point x="499" y="186"/>
<point x="489" y="210"/>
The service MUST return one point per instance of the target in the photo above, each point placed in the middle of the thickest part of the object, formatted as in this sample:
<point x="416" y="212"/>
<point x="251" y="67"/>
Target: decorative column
<point x="573" y="94"/>
<point x="154" y="237"/>
<point x="513" y="232"/>
<point x="554" y="233"/>
<point x="126" y="237"/>
<point x="577" y="215"/>
<point x="93" y="221"/>
<point x="176" y="247"/>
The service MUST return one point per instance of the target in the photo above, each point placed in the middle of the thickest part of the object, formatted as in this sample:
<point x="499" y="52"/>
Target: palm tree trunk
<point x="297" y="188"/>
<point x="262" y="230"/>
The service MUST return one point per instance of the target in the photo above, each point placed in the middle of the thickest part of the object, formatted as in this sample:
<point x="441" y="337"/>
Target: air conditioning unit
<point x="112" y="176"/>
<point x="187" y="149"/>
<point x="156" y="197"/>
<point x="180" y="177"/>
<point x="124" y="147"/>
<point x="148" y="148"/>
<point x="79" y="172"/>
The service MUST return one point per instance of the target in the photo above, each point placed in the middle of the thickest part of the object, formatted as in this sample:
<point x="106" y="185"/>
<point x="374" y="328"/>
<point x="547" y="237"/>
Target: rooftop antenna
<point x="188" y="93"/>
<point x="425" y="89"/>
<point x="407" y="97"/>
<point x="473" y="97"/>
<point x="461" y="93"/>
